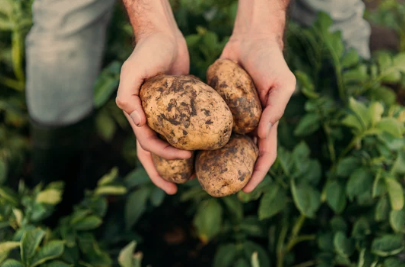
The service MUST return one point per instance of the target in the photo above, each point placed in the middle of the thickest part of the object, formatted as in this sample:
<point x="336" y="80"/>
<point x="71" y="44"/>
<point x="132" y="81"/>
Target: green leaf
<point x="361" y="228"/>
<point x="225" y="255"/>
<point x="398" y="168"/>
<point x="306" y="198"/>
<point x="355" y="75"/>
<point x="391" y="126"/>
<point x="255" y="260"/>
<point x="313" y="172"/>
<point x="30" y="242"/>
<point x="88" y="223"/>
<point x="300" y="152"/>
<point x="325" y="242"/>
<point x="395" y="193"/>
<point x="110" y="190"/>
<point x="6" y="7"/>
<point x="335" y="196"/>
<point x="365" y="258"/>
<point x="3" y="171"/>
<point x="378" y="187"/>
<point x="241" y="263"/>
<point x="251" y="226"/>
<point x="350" y="58"/>
<point x="347" y="166"/>
<point x="382" y="209"/>
<point x="49" y="196"/>
<point x="309" y="124"/>
<point x="361" y="112"/>
<point x="383" y="94"/>
<point x="375" y="110"/>
<point x="12" y="263"/>
<point x="8" y="195"/>
<point x="352" y="121"/>
<point x="135" y="206"/>
<point x="234" y="206"/>
<point x="338" y="224"/>
<point x="125" y="257"/>
<point x="106" y="84"/>
<point x="251" y="247"/>
<point x="208" y="219"/>
<point x="272" y="202"/>
<point x="157" y="196"/>
<point x="56" y="264"/>
<point x="359" y="183"/>
<point x="399" y="61"/>
<point x="393" y="262"/>
<point x="387" y="245"/>
<point x="7" y="246"/>
<point x="49" y="251"/>
<point x="136" y="177"/>
<point x="391" y="76"/>
<point x="384" y="60"/>
<point x="343" y="245"/>
<point x="109" y="177"/>
<point x="105" y="126"/>
<point x="397" y="220"/>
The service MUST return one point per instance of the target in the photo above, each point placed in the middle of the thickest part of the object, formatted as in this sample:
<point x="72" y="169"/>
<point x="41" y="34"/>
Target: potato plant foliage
<point x="334" y="197"/>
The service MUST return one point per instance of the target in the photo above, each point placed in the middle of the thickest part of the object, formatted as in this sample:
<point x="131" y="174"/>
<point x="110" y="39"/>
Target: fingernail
<point x="268" y="129"/>
<point x="136" y="118"/>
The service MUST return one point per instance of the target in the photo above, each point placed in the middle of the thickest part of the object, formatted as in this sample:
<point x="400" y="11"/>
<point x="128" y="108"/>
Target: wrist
<point x="151" y="17"/>
<point x="261" y="19"/>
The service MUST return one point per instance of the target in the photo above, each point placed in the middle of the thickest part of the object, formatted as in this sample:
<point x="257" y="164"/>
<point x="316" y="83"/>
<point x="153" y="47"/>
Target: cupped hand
<point x="156" y="53"/>
<point x="262" y="57"/>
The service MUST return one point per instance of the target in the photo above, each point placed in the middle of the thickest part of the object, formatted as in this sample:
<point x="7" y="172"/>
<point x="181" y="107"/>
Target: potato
<point x="187" y="112"/>
<point x="238" y="90"/>
<point x="176" y="171"/>
<point x="227" y="170"/>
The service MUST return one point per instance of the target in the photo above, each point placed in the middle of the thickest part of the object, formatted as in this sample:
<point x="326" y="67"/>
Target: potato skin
<point x="176" y="171"/>
<point x="236" y="87"/>
<point x="227" y="170"/>
<point x="188" y="113"/>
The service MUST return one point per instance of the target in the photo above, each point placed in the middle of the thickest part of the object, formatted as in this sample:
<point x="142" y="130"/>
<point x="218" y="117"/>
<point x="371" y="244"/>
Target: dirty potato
<point x="187" y="112"/>
<point x="227" y="170"/>
<point x="176" y="171"/>
<point x="236" y="87"/>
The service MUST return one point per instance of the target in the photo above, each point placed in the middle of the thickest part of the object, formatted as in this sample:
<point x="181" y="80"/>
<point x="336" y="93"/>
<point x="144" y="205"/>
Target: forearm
<point x="150" y="16"/>
<point x="261" y="17"/>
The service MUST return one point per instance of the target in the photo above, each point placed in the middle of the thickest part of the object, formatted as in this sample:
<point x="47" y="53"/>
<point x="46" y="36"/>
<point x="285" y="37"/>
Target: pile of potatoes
<point x="211" y="120"/>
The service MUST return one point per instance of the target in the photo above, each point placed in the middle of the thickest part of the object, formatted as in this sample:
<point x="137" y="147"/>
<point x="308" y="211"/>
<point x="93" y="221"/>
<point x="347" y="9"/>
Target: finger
<point x="277" y="101"/>
<point x="150" y="142"/>
<point x="128" y="93"/>
<point x="146" y="159"/>
<point x="267" y="156"/>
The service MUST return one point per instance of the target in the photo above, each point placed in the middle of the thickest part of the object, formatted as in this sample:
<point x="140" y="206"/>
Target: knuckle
<point x="121" y="103"/>
<point x="125" y="68"/>
<point x="279" y="113"/>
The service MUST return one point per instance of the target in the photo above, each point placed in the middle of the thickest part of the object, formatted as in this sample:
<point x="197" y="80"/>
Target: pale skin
<point x="256" y="44"/>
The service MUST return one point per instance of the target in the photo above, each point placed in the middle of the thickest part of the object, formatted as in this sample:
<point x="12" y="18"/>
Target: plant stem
<point x="280" y="246"/>
<point x="17" y="85"/>
<point x="298" y="239"/>
<point x="297" y="226"/>
<point x="331" y="148"/>
<point x="306" y="264"/>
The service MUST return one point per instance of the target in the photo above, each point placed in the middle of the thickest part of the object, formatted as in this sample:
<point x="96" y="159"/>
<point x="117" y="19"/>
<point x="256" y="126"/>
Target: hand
<point x="261" y="56"/>
<point x="156" y="53"/>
